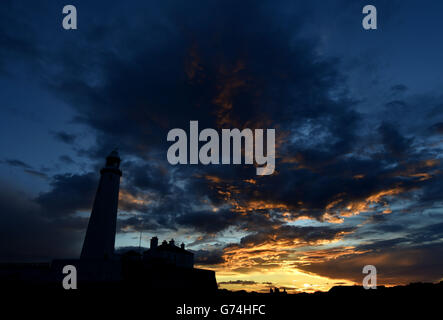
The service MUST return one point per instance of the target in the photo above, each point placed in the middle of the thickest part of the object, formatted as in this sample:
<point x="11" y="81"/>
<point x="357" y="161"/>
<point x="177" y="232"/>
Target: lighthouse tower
<point x="100" y="236"/>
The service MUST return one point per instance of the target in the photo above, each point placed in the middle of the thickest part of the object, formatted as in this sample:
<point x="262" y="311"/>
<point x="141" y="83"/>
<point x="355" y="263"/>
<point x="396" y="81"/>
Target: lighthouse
<point x="100" y="236"/>
<point x="162" y="267"/>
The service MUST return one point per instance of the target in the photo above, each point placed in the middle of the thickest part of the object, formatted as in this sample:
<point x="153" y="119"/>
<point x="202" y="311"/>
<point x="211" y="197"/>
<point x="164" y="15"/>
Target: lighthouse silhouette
<point x="162" y="267"/>
<point x="100" y="236"/>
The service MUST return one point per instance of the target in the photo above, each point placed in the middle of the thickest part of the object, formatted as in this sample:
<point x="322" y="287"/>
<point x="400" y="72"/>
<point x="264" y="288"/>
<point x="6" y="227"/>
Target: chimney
<point x="154" y="242"/>
<point x="171" y="242"/>
<point x="182" y="246"/>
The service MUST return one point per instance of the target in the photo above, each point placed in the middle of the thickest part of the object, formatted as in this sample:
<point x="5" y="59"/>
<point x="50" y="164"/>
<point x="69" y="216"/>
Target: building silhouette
<point x="168" y="254"/>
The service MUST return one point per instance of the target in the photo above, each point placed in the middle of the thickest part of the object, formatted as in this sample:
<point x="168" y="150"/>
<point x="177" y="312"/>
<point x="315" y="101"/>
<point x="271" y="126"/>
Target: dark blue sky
<point x="358" y="116"/>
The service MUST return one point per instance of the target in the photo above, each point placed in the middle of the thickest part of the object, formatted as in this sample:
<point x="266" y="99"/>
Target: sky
<point x="358" y="116"/>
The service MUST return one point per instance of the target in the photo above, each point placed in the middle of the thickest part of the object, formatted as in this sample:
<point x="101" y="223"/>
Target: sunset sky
<point x="359" y="134"/>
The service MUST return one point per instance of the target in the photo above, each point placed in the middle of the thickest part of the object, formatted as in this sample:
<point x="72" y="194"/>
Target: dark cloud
<point x="17" y="39"/>
<point x="27" y="235"/>
<point x="36" y="173"/>
<point x="399" y="88"/>
<point x="291" y="233"/>
<point x="66" y="159"/>
<point x="69" y="193"/>
<point x="46" y="227"/>
<point x="294" y="86"/>
<point x="208" y="257"/>
<point x="65" y="137"/>
<point x="208" y="221"/>
<point x="417" y="256"/>
<point x="149" y="177"/>
<point x="17" y="163"/>
<point x="394" y="142"/>
<point x="430" y="195"/>
<point x="26" y="168"/>
<point x="394" y="265"/>
<point x="202" y="69"/>
<point x="240" y="282"/>
<point x="437" y="128"/>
